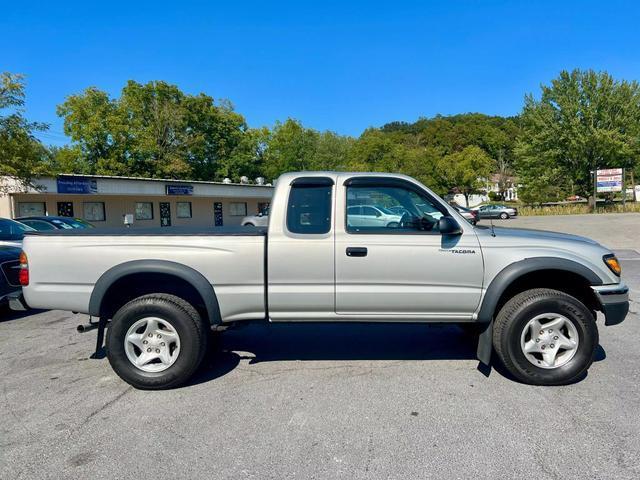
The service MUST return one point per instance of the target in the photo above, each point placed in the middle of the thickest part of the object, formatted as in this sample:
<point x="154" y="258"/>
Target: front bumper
<point x="614" y="300"/>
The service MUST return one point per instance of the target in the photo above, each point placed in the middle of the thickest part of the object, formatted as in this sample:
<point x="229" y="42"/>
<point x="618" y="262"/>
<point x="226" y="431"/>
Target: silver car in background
<point x="497" y="211"/>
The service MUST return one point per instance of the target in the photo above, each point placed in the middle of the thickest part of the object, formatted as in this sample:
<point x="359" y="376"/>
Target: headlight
<point x="613" y="263"/>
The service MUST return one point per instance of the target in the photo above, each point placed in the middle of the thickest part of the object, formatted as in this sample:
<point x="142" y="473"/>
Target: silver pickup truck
<point x="531" y="295"/>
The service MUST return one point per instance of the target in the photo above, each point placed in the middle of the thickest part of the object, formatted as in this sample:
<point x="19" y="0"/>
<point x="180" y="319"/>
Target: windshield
<point x="12" y="230"/>
<point x="76" y="223"/>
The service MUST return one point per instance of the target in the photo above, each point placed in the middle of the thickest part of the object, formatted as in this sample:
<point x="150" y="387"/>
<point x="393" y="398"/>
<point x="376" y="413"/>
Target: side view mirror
<point x="260" y="214"/>
<point x="448" y="226"/>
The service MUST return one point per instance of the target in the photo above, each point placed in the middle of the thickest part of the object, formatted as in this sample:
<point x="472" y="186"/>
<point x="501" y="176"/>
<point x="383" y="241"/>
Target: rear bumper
<point x="16" y="302"/>
<point x="614" y="300"/>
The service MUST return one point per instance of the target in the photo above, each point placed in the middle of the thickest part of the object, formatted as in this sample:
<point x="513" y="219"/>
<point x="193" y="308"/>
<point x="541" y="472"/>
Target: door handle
<point x="356" y="251"/>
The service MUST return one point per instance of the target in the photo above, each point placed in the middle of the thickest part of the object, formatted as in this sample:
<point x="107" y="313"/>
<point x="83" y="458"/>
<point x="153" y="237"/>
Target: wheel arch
<point x="510" y="275"/>
<point x="166" y="276"/>
<point x="526" y="274"/>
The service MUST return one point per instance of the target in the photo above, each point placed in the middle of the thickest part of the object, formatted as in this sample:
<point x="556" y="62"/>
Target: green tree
<point x="215" y="131"/>
<point x="156" y="130"/>
<point x="465" y="171"/>
<point x="582" y="121"/>
<point x="89" y="120"/>
<point x="332" y="152"/>
<point x="22" y="155"/>
<point x="448" y="134"/>
<point x="66" y="159"/>
<point x="292" y="147"/>
<point x="378" y="151"/>
<point x="248" y="156"/>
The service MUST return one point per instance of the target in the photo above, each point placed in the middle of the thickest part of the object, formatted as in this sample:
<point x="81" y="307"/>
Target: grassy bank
<point x="577" y="209"/>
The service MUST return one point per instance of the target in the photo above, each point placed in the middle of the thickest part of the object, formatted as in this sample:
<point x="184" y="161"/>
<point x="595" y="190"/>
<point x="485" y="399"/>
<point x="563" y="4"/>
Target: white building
<point x="492" y="184"/>
<point x="107" y="201"/>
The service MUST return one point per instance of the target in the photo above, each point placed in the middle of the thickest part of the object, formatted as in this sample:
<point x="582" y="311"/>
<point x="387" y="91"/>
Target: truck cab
<point x="326" y="262"/>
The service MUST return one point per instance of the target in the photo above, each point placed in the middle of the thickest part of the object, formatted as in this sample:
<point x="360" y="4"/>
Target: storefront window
<point x="144" y="211"/>
<point x="238" y="209"/>
<point x="31" y="209"/>
<point x="183" y="209"/>
<point x="94" y="211"/>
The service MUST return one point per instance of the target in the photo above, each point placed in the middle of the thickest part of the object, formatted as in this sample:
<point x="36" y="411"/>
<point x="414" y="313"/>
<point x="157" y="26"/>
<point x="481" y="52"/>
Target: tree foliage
<point x="291" y="146"/>
<point x="22" y="156"/>
<point x="465" y="171"/>
<point x="584" y="120"/>
<point x="156" y="130"/>
<point x="581" y="121"/>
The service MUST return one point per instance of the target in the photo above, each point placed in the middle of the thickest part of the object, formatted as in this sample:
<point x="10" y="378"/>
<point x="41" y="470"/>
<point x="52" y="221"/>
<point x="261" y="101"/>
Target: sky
<point x="340" y="66"/>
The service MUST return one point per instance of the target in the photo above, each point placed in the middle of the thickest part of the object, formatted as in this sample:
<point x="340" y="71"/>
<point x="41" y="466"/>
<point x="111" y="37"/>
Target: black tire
<point x="514" y="316"/>
<point x="248" y="225"/>
<point x="392" y="225"/>
<point x="504" y="215"/>
<point x="183" y="318"/>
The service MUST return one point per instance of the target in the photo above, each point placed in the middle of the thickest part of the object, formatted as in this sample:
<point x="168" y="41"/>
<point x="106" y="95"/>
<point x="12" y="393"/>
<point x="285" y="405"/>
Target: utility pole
<point x="595" y="188"/>
<point x="624" y="188"/>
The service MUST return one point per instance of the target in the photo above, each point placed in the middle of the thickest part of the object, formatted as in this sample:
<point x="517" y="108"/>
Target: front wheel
<point x="504" y="215"/>
<point x="545" y="337"/>
<point x="156" y="341"/>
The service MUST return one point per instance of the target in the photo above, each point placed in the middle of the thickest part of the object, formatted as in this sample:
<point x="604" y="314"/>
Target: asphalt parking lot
<point x="353" y="401"/>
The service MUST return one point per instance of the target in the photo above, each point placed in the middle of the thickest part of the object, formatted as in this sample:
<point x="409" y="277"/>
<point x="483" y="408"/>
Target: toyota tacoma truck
<point x="531" y="295"/>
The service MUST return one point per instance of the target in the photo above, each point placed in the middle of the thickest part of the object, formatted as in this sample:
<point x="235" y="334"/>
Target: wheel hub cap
<point x="549" y="340"/>
<point x="152" y="344"/>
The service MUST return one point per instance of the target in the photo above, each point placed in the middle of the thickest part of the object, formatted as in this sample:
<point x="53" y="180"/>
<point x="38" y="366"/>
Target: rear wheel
<point x="545" y="337"/>
<point x="156" y="341"/>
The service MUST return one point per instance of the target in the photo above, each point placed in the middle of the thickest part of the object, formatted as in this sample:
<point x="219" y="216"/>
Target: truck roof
<point x="288" y="177"/>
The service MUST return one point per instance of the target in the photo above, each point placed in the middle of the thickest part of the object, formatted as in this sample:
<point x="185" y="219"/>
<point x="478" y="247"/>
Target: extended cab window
<point x="309" y="207"/>
<point x="390" y="209"/>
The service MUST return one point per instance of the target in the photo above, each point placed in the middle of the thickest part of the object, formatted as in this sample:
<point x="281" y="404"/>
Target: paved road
<point x="309" y="402"/>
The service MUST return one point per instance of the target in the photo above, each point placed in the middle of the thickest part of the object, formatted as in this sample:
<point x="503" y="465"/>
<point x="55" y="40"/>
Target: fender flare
<point x="506" y="277"/>
<point x="188" y="274"/>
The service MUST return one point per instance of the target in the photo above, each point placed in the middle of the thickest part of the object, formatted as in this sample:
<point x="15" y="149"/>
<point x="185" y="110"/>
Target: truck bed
<point x="66" y="264"/>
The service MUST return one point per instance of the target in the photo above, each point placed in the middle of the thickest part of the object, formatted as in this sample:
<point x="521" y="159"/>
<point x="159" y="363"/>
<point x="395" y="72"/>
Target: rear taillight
<point x="23" y="275"/>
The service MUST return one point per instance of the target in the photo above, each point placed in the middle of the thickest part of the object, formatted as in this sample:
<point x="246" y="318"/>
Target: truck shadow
<point x="321" y="341"/>
<point x="7" y="315"/>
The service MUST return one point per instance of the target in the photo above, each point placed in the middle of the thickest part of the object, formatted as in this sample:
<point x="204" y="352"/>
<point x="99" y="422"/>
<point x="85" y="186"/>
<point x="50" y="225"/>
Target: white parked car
<point x="259" y="220"/>
<point x="372" y="216"/>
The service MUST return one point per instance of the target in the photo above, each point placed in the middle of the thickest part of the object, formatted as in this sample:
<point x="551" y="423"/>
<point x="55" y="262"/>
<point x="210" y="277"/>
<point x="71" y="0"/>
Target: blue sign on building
<point x="179" y="189"/>
<point x="81" y="185"/>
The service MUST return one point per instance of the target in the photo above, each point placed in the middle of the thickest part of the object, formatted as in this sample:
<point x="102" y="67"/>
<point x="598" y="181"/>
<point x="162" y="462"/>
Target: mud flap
<point x="485" y="344"/>
<point x="100" y="352"/>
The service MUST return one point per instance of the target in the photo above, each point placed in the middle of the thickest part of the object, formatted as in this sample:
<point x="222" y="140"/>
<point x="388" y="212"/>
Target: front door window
<point x="390" y="209"/>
